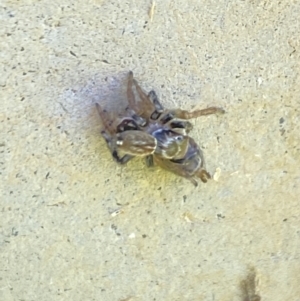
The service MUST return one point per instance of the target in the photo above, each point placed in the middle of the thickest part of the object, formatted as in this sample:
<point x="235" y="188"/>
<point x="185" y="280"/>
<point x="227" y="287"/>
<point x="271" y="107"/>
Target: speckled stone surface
<point x="60" y="236"/>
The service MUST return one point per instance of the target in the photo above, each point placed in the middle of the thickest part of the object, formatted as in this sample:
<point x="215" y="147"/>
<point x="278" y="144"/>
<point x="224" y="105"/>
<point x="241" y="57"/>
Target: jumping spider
<point x="147" y="129"/>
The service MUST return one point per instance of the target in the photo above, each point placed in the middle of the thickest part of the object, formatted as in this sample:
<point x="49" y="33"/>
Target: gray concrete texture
<point x="77" y="226"/>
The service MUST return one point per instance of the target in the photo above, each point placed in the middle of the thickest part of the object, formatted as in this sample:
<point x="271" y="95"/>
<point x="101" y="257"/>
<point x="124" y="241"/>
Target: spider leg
<point x="107" y="131"/>
<point x="181" y="127"/>
<point x="122" y="160"/>
<point x="104" y="118"/>
<point x="111" y="143"/>
<point x="130" y="94"/>
<point x="158" y="108"/>
<point x="154" y="99"/>
<point x="182" y="114"/>
<point x="203" y="175"/>
<point x="170" y="119"/>
<point x="193" y="181"/>
<point x="144" y="106"/>
<point x="141" y="93"/>
<point x="133" y="104"/>
<point x="149" y="161"/>
<point x="106" y="137"/>
<point x="126" y="124"/>
<point x="138" y="119"/>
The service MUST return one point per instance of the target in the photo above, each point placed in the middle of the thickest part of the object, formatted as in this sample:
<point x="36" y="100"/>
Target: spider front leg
<point x="107" y="130"/>
<point x="107" y="122"/>
<point x="182" y="114"/>
<point x="133" y="105"/>
<point x="138" y="101"/>
<point x="123" y="160"/>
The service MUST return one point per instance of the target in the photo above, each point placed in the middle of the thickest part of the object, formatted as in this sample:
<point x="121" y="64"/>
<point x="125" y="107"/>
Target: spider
<point x="147" y="129"/>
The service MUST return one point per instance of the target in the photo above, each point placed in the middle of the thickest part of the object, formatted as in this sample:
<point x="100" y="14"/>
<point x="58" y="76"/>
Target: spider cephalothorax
<point x="148" y="130"/>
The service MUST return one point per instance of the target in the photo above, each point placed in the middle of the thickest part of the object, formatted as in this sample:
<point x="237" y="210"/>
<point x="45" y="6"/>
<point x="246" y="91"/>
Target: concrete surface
<point x="61" y="236"/>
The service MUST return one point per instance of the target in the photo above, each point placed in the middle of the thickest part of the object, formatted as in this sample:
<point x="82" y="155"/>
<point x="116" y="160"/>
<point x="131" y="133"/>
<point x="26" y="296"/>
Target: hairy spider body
<point x="160" y="135"/>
